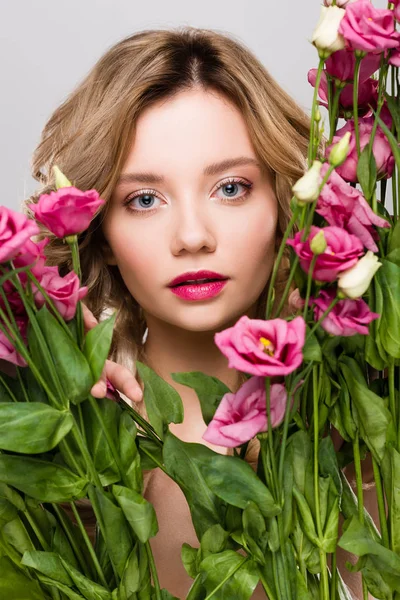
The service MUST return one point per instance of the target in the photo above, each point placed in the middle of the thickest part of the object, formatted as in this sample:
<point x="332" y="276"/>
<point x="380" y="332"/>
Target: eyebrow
<point x="213" y="169"/>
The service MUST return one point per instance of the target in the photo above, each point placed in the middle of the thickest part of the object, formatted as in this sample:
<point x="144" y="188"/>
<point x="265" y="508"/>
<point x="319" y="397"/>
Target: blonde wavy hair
<point x="89" y="136"/>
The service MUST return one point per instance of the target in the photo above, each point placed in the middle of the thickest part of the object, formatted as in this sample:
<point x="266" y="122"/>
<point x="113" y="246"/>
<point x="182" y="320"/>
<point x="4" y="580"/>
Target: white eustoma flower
<point x="326" y="36"/>
<point x="355" y="281"/>
<point x="306" y="189"/>
<point x="339" y="151"/>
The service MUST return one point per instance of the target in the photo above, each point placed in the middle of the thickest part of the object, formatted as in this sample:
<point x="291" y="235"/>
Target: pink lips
<point x="186" y="287"/>
<point x="199" y="291"/>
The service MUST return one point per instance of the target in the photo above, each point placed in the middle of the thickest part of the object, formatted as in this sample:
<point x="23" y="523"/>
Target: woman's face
<point x="180" y="207"/>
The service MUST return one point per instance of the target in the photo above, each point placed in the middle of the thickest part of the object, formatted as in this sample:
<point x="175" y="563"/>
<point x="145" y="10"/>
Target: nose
<point x="193" y="229"/>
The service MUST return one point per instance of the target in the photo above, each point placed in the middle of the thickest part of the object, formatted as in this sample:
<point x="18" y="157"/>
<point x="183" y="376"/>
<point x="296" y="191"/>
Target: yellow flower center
<point x="267" y="343"/>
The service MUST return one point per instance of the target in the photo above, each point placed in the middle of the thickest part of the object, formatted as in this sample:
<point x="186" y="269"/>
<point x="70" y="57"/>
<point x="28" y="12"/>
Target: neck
<point x="170" y="349"/>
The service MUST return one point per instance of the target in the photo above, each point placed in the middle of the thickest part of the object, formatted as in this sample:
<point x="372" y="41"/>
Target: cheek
<point x="255" y="242"/>
<point x="134" y="252"/>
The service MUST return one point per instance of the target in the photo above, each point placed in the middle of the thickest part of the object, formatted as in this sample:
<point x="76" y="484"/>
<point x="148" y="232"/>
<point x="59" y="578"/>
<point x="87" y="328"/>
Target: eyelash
<point x="128" y="202"/>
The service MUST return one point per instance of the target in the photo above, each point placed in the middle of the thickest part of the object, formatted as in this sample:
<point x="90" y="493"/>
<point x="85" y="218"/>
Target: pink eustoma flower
<point x="7" y="350"/>
<point x="394" y="59"/>
<point x="265" y="348"/>
<point x="341" y="64"/>
<point x="367" y="28"/>
<point x="63" y="291"/>
<point x="68" y="211"/>
<point x="15" y="230"/>
<point x="239" y="417"/>
<point x="341" y="253"/>
<point x="367" y="94"/>
<point x="344" y="206"/>
<point x="381" y="148"/>
<point x="347" y="318"/>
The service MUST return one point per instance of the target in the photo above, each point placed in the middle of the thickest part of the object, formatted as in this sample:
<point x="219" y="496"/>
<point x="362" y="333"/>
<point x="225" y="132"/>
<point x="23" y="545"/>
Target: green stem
<point x="97" y="511"/>
<point x="287" y="286"/>
<point x="270" y="438"/>
<point x="8" y="389"/>
<point x="324" y="582"/>
<point x="18" y="370"/>
<point x="309" y="284"/>
<point x="36" y="530"/>
<point x="360" y="495"/>
<point x="77" y="435"/>
<point x="311" y="152"/>
<point x="76" y="265"/>
<point x="266" y="586"/>
<point x="153" y="571"/>
<point x="381" y="504"/>
<point x="355" y="101"/>
<point x="333" y="592"/>
<point x="334" y="112"/>
<point x="147" y="428"/>
<point x="89" y="546"/>
<point x="66" y="525"/>
<point x="392" y="395"/>
<point x="153" y="458"/>
<point x="322" y="317"/>
<point x="278" y="260"/>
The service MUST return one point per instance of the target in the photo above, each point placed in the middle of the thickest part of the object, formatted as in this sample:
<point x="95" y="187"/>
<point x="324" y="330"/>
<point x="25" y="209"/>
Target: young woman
<point x="195" y="148"/>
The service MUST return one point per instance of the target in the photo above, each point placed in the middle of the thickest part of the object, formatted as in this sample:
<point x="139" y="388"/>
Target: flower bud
<point x="340" y="3"/>
<point x="61" y="180"/>
<point x="354" y="282"/>
<point x="339" y="151"/>
<point x="318" y="243"/>
<point x="306" y="189"/>
<point x="326" y="36"/>
<point x="317" y="115"/>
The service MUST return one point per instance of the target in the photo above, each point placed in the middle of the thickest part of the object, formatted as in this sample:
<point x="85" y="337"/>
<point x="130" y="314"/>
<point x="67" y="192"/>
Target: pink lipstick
<point x="198" y="285"/>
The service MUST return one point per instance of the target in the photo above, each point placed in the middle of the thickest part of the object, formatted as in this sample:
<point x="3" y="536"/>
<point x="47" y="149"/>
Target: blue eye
<point x="145" y="199"/>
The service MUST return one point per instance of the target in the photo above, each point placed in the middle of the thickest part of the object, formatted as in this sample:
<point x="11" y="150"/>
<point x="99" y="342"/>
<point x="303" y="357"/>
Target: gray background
<point x="47" y="46"/>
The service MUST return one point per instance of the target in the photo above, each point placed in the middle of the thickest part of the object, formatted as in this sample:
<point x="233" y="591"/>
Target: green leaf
<point x="163" y="403"/>
<point x="394" y="110"/>
<point x="307" y="521"/>
<point x="209" y="390"/>
<point x="189" y="559"/>
<point x="331" y="531"/>
<point x="394" y="497"/>
<point x="148" y="449"/>
<point x="12" y="496"/>
<point x="48" y="563"/>
<point x="8" y="512"/>
<point x="374" y="417"/>
<point x="388" y="278"/>
<point x="358" y="540"/>
<point x="394" y="241"/>
<point x="47" y="482"/>
<point x="32" y="428"/>
<point x="312" y="349"/>
<point x="15" y="584"/>
<point x="327" y="460"/>
<point x="16" y="534"/>
<point x="255" y="532"/>
<point x="118" y="538"/>
<point x="130" y="580"/>
<point x="235" y="482"/>
<point x="302" y="455"/>
<point x="60" y="586"/>
<point x="89" y="589"/>
<point x="392" y="141"/>
<point x="60" y="545"/>
<point x="349" y="508"/>
<point x="239" y="576"/>
<point x="97" y="345"/>
<point x="184" y="461"/>
<point x="366" y="172"/>
<point x="129" y="455"/>
<point x="138" y="512"/>
<point x="96" y="440"/>
<point x="68" y="361"/>
<point x="214" y="540"/>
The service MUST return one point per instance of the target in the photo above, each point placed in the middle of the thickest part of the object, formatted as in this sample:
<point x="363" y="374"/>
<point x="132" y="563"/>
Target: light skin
<point x="223" y="220"/>
<point x="184" y="224"/>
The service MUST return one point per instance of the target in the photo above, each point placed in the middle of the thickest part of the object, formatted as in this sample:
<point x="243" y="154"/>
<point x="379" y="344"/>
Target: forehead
<point x="194" y="127"/>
